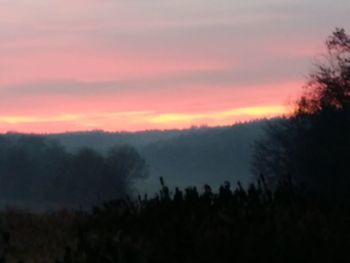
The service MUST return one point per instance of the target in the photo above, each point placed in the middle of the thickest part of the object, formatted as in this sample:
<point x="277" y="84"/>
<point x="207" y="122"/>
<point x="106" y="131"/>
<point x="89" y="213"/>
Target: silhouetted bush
<point x="281" y="225"/>
<point x="284" y="224"/>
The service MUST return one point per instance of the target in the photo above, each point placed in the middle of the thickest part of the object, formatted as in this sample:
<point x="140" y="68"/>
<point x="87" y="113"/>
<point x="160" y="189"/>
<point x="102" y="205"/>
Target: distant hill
<point x="183" y="157"/>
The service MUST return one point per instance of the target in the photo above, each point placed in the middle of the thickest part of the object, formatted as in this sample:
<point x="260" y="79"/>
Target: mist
<point x="195" y="156"/>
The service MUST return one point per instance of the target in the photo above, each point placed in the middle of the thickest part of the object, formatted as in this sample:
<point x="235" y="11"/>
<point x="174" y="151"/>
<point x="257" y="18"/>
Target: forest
<point x="181" y="157"/>
<point x="37" y="173"/>
<point x="295" y="207"/>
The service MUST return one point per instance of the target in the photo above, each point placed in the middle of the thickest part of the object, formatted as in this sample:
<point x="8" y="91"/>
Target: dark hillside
<point x="193" y="156"/>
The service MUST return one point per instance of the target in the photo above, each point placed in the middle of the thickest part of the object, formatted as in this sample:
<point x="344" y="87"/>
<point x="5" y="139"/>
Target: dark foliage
<point x="312" y="144"/>
<point x="37" y="171"/>
<point x="286" y="224"/>
<point x="254" y="224"/>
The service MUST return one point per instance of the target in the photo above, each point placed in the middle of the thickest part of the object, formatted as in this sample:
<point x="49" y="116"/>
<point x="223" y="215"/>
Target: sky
<point x="129" y="65"/>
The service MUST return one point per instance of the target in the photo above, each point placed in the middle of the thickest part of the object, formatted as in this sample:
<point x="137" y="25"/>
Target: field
<point x="233" y="224"/>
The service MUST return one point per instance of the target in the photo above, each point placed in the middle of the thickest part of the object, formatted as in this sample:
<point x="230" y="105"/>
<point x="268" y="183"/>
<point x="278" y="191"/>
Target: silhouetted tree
<point x="34" y="170"/>
<point x="312" y="144"/>
<point x="122" y="166"/>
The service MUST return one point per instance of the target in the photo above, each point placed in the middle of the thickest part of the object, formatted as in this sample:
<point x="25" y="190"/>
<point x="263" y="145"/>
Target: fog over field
<point x="183" y="157"/>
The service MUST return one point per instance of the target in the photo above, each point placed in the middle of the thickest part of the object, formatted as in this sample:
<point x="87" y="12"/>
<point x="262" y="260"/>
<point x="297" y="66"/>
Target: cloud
<point x="184" y="57"/>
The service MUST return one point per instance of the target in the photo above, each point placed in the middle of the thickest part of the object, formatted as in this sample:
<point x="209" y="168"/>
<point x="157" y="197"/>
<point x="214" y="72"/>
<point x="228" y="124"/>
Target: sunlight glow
<point x="248" y="112"/>
<point x="137" y="120"/>
<point x="34" y="119"/>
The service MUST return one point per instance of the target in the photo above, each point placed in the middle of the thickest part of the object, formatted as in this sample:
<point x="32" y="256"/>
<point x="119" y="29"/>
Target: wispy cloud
<point x="184" y="60"/>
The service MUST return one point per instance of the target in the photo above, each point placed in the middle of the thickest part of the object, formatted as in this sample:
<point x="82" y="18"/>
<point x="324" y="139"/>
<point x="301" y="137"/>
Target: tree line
<point x="36" y="170"/>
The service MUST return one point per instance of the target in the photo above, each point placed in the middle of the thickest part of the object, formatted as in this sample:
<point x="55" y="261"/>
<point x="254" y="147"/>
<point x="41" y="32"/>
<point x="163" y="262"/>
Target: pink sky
<point x="136" y="65"/>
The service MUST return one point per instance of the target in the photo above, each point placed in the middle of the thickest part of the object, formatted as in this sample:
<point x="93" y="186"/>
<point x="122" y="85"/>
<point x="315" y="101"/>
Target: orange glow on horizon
<point x="135" y="120"/>
<point x="148" y="110"/>
<point x="248" y="112"/>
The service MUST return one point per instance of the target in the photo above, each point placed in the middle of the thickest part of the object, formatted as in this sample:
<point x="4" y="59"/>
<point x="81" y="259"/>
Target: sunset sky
<point x="156" y="64"/>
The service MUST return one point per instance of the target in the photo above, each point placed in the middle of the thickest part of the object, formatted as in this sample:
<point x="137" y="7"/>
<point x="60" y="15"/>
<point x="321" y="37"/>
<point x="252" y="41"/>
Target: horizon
<point x="137" y="66"/>
<point x="193" y="127"/>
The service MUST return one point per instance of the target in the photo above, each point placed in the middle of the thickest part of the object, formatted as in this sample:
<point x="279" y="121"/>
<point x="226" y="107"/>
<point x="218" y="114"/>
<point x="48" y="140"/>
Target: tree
<point x="41" y="171"/>
<point x="95" y="178"/>
<point x="122" y="166"/>
<point x="312" y="145"/>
